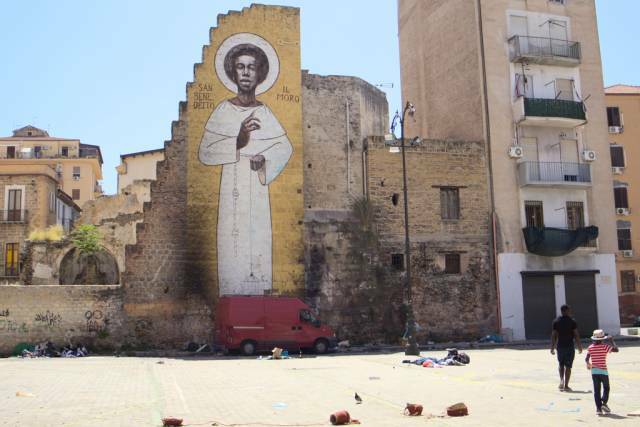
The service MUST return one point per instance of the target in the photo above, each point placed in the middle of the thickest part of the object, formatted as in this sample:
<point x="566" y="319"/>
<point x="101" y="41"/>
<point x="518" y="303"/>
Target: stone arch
<point x="77" y="268"/>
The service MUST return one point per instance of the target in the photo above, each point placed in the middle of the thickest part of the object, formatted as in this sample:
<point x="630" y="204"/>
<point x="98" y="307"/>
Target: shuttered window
<point x="11" y="266"/>
<point x="617" y="156"/>
<point x="452" y="263"/>
<point x="628" y="280"/>
<point x="534" y="213"/>
<point x="613" y="116"/>
<point x="397" y="261"/>
<point x="624" y="239"/>
<point x="449" y="203"/>
<point x="575" y="215"/>
<point x="621" y="198"/>
<point x="75" y="194"/>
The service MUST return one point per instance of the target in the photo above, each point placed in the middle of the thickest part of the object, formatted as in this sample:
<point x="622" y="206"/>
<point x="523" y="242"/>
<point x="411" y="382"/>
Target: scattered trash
<point x="160" y="362"/>
<point x="340" y="418"/>
<point x="203" y="347"/>
<point x="374" y="378"/>
<point x="458" y="410"/>
<point x="344" y="344"/>
<point x="413" y="410"/>
<point x="574" y="398"/>
<point x="172" y="421"/>
<point x="279" y="405"/>
<point x="358" y="399"/>
<point x="491" y="339"/>
<point x="47" y="349"/>
<point x="24" y="394"/>
<point x="453" y="358"/>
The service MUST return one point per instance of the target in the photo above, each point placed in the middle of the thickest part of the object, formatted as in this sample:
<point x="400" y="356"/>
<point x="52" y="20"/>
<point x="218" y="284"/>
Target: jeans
<point x="600" y="380"/>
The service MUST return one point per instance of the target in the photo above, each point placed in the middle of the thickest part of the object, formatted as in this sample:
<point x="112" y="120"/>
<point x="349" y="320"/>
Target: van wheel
<point x="248" y="348"/>
<point x="321" y="346"/>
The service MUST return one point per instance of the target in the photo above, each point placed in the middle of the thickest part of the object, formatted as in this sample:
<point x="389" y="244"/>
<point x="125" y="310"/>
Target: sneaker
<point x="599" y="412"/>
<point x="605" y="408"/>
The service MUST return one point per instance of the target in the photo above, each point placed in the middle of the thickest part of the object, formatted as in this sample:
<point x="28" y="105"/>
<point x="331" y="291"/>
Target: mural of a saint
<point x="245" y="137"/>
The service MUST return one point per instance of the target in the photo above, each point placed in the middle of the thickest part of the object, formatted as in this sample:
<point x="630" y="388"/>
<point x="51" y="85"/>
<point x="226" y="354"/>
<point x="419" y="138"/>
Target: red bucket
<point x="340" y="418"/>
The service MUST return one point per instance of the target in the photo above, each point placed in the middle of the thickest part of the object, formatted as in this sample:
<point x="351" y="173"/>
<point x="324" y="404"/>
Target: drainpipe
<point x="494" y="252"/>
<point x="347" y="118"/>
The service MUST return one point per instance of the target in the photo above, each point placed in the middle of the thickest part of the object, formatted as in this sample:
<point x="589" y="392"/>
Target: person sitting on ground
<point x="564" y="333"/>
<point x="597" y="362"/>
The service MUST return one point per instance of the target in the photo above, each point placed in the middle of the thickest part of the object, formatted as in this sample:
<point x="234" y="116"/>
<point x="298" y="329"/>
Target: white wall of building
<point x="554" y="201"/>
<point x="511" y="298"/>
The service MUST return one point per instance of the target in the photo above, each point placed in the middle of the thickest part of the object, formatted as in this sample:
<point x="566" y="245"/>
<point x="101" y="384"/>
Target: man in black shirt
<point x="564" y="333"/>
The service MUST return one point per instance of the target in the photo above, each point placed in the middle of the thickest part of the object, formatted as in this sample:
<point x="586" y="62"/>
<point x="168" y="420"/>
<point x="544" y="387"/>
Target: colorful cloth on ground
<point x="598" y="353"/>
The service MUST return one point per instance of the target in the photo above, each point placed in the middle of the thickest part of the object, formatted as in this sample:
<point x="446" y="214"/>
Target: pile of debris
<point x="47" y="349"/>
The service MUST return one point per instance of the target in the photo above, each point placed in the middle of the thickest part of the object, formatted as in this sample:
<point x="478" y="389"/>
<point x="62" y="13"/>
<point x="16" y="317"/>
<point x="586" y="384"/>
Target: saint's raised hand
<point x="247" y="126"/>
<point x="257" y="162"/>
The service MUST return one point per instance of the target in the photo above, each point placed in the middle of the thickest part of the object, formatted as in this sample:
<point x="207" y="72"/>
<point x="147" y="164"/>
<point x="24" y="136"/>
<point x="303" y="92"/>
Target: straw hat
<point x="599" y="335"/>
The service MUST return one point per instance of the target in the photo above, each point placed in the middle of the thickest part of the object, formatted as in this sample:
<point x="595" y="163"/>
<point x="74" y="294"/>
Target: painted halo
<point x="247" y="38"/>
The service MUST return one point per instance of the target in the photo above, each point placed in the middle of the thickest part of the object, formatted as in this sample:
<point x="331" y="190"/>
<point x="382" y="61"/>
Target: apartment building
<point x="525" y="77"/>
<point x="78" y="167"/>
<point x="623" y="119"/>
<point x="138" y="166"/>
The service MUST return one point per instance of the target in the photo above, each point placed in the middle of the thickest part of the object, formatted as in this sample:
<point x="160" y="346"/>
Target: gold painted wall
<point x="280" y="27"/>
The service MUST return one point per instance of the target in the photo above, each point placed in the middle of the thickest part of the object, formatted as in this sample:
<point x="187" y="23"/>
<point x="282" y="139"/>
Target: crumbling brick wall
<point x="163" y="307"/>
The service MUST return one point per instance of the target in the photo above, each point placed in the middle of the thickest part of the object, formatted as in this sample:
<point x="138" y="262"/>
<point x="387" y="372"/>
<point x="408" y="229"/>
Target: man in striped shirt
<point x="597" y="361"/>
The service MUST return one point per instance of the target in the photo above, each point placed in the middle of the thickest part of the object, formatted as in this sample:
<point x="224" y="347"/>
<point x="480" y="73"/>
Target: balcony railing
<point x="9" y="271"/>
<point x="554" y="173"/>
<point x="539" y="107"/>
<point x="85" y="153"/>
<point x="544" y="50"/>
<point x="13" y="216"/>
<point x="553" y="242"/>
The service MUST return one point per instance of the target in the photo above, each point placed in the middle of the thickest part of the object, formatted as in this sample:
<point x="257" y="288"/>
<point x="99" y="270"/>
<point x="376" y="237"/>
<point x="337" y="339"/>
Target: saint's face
<point x="246" y="75"/>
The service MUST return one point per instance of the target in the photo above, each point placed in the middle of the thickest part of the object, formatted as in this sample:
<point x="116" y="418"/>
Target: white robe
<point x="244" y="212"/>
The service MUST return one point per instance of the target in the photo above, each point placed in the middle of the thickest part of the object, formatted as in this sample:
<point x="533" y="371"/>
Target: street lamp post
<point x="412" y="349"/>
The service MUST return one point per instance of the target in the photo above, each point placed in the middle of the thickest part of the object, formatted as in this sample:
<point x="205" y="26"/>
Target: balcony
<point x="554" y="174"/>
<point x="543" y="50"/>
<point x="84" y="153"/>
<point x="13" y="216"/>
<point x="553" y="242"/>
<point x="549" y="112"/>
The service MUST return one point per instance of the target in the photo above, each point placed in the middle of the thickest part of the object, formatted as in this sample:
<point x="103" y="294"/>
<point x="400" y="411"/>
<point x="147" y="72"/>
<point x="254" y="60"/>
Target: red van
<point x="252" y="323"/>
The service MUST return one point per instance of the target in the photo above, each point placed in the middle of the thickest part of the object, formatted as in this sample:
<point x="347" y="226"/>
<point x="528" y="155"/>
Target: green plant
<point x="87" y="239"/>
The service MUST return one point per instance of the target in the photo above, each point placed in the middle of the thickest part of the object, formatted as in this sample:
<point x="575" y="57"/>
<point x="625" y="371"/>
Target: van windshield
<point x="307" y="316"/>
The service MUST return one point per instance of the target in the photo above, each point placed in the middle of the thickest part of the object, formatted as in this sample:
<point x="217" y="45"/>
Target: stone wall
<point x="447" y="306"/>
<point x="90" y="315"/>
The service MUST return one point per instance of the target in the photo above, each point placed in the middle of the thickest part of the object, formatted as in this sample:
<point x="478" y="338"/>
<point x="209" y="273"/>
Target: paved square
<point x="501" y="387"/>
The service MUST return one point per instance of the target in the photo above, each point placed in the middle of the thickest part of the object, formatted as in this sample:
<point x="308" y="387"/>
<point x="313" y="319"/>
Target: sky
<point x="111" y="73"/>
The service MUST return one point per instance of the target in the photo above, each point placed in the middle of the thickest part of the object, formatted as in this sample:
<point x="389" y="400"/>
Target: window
<point x="76" y="173"/>
<point x="75" y="194"/>
<point x="11" y="152"/>
<point x="558" y="1"/>
<point x="624" y="239"/>
<point x="524" y="85"/>
<point x="449" y="203"/>
<point x="575" y="215"/>
<point x="452" y="263"/>
<point x="534" y="213"/>
<point x="628" y="280"/>
<point x="617" y="156"/>
<point x="621" y="198"/>
<point x="11" y="266"/>
<point x="37" y="150"/>
<point x="14" y="205"/>
<point x="613" y="116"/>
<point x="65" y="152"/>
<point x="52" y="201"/>
<point x="397" y="261"/>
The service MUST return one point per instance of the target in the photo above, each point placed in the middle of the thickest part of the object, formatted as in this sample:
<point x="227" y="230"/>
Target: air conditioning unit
<point x="589" y="155"/>
<point x="622" y="211"/>
<point x="617" y="170"/>
<point x="615" y="129"/>
<point x="627" y="254"/>
<point x="516" y="152"/>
